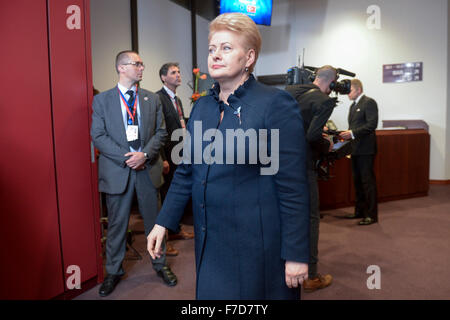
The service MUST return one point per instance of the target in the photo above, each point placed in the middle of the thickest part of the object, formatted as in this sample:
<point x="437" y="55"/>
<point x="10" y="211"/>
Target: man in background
<point x="128" y="130"/>
<point x="363" y="120"/>
<point x="170" y="76"/>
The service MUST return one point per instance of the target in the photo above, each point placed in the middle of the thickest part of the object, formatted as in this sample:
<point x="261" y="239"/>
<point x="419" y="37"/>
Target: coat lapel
<point x="117" y="116"/>
<point x="171" y="107"/>
<point x="350" y="112"/>
<point x="144" y="107"/>
<point x="355" y="107"/>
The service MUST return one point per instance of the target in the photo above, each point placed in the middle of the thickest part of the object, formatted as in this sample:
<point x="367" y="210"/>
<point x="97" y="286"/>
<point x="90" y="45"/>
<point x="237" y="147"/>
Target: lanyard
<point x="128" y="107"/>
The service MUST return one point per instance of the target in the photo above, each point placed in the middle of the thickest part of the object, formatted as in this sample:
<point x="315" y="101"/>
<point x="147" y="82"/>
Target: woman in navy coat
<point x="251" y="207"/>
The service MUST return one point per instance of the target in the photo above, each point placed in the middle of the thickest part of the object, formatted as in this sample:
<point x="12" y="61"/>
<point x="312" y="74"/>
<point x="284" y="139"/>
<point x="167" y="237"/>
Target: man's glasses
<point x="137" y="64"/>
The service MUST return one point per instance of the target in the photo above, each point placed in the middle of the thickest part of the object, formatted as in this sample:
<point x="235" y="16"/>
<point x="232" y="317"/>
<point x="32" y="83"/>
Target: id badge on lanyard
<point x="132" y="132"/>
<point x="132" y="129"/>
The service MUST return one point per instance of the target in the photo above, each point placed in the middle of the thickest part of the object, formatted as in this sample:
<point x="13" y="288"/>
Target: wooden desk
<point x="401" y="169"/>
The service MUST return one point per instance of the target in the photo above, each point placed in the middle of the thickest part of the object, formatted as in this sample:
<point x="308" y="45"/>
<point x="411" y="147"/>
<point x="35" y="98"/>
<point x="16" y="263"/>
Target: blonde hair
<point x="357" y="84"/>
<point x="242" y="25"/>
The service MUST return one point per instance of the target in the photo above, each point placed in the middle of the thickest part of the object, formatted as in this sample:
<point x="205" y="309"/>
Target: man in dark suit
<point x="363" y="120"/>
<point x="170" y="76"/>
<point x="128" y="129"/>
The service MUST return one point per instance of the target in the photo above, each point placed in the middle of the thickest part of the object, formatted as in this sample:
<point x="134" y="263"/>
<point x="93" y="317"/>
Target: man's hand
<point x="330" y="148"/>
<point x="296" y="273"/>
<point x="166" y="167"/>
<point x="330" y="140"/>
<point x="346" y="135"/>
<point x="154" y="241"/>
<point x="136" y="160"/>
<point x="141" y="167"/>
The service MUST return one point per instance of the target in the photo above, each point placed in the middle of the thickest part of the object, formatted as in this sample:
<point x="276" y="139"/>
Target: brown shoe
<point x="182" y="235"/>
<point x="319" y="282"/>
<point x="171" y="251"/>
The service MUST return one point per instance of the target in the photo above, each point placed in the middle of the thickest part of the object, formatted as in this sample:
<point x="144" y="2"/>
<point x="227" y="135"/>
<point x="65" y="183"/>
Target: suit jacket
<point x="109" y="137"/>
<point x="363" y="120"/>
<point x="172" y="122"/>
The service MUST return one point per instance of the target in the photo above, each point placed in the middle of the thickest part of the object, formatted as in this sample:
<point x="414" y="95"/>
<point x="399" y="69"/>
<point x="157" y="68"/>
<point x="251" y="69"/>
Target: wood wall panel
<point x="401" y="169"/>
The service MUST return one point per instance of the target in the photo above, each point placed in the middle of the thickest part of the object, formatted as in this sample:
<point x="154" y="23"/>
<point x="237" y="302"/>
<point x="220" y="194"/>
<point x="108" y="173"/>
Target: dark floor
<point x="410" y="245"/>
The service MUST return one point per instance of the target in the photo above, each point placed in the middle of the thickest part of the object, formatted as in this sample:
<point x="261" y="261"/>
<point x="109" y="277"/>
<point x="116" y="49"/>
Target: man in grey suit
<point x="363" y="120"/>
<point x="128" y="129"/>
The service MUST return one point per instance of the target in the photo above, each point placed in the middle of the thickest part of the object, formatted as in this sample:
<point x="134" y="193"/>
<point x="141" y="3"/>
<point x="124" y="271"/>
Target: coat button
<point x="203" y="182"/>
<point x="203" y="229"/>
<point x="202" y="205"/>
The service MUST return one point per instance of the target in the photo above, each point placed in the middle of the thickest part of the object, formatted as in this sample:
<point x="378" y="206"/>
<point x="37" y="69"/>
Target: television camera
<point x="307" y="74"/>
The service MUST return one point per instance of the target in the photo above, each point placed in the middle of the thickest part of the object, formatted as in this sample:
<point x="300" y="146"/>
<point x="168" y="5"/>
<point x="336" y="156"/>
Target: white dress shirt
<point x="356" y="102"/>
<point x="172" y="97"/>
<point x="124" y="109"/>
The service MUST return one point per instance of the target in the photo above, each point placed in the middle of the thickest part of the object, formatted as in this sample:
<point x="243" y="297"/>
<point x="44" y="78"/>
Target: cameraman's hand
<point x="330" y="148"/>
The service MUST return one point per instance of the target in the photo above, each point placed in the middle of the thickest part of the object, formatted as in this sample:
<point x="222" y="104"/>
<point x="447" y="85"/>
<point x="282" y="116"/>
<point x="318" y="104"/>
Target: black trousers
<point x="314" y="221"/>
<point x="365" y="186"/>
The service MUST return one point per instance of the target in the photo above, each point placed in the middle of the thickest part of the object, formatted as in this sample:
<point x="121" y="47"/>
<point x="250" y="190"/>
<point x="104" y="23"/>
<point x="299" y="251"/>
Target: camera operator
<point x="316" y="107"/>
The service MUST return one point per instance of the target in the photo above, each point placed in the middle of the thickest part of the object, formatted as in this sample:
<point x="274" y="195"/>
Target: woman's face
<point x="227" y="57"/>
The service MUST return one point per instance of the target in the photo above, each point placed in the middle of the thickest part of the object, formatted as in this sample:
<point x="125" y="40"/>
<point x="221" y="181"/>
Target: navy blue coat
<point x="246" y="224"/>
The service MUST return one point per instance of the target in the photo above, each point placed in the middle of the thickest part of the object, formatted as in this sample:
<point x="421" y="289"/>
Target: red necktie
<point x="180" y="113"/>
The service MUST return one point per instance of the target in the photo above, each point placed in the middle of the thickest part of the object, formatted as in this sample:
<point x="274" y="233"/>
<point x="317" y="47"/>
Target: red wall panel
<point x="48" y="188"/>
<point x="71" y="95"/>
<point x="30" y="254"/>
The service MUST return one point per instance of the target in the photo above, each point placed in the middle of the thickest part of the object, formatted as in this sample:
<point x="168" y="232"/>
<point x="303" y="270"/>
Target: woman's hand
<point x="166" y="167"/>
<point x="296" y="273"/>
<point x="154" y="240"/>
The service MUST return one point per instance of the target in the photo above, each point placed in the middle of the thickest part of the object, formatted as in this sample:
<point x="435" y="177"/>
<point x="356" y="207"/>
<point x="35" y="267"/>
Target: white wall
<point x="332" y="31"/>
<point x="447" y="159"/>
<point x="110" y="33"/>
<point x="202" y="43"/>
<point x="335" y="32"/>
<point x="164" y="30"/>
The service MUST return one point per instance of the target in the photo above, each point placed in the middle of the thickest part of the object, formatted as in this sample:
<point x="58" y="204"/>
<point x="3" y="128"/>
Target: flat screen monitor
<point x="259" y="10"/>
